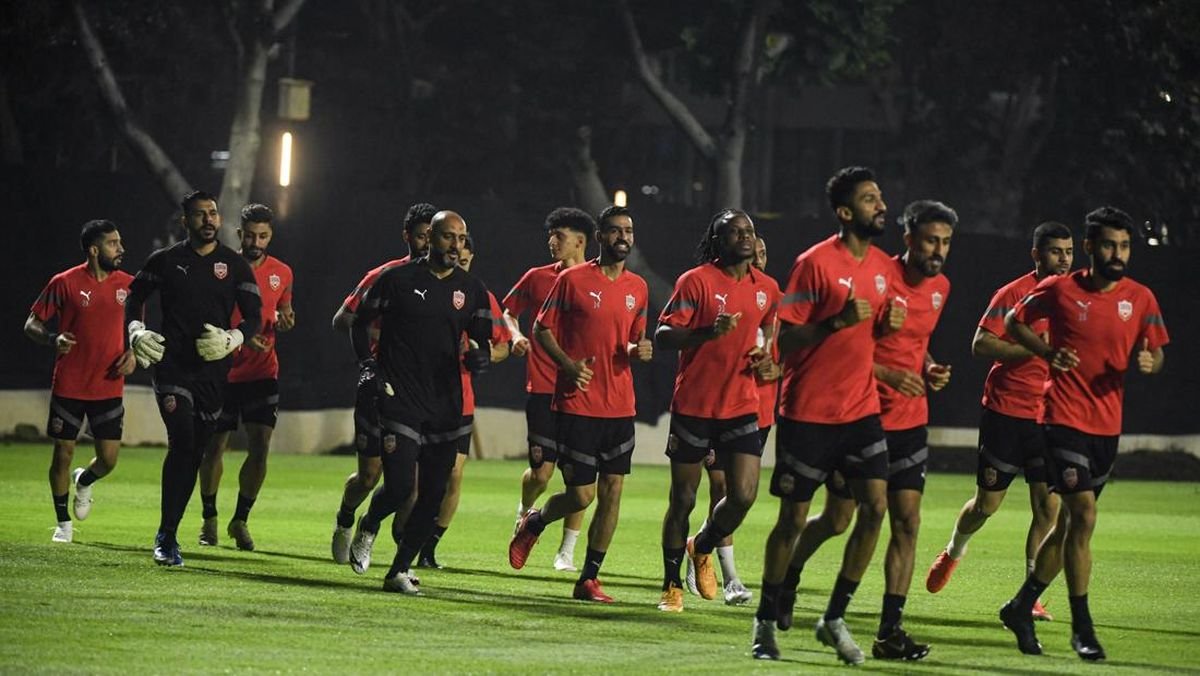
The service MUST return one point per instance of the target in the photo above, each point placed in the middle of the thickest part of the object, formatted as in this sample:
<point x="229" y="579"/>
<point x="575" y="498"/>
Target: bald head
<point x="448" y="236"/>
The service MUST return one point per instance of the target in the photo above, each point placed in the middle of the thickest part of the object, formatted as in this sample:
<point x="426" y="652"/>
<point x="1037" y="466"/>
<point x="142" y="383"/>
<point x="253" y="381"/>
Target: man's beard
<point x="1113" y="271"/>
<point x="109" y="264"/>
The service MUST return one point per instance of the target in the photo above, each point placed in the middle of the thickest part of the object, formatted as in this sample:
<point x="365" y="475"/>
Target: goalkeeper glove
<point x="147" y="345"/>
<point x="216" y="343"/>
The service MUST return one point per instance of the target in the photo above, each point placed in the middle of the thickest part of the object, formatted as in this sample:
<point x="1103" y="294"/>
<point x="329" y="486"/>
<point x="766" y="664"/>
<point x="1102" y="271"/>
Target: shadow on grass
<point x="205" y="554"/>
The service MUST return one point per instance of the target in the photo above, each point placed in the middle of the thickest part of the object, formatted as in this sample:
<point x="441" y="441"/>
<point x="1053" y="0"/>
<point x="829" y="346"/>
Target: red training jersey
<point x="906" y="348"/>
<point x="500" y="334"/>
<point x="832" y="381"/>
<point x="530" y="293"/>
<point x="593" y="316"/>
<point x="94" y="312"/>
<point x="1015" y="388"/>
<point x="714" y="379"/>
<point x="1105" y="329"/>
<point x="364" y="285"/>
<point x="274" y="279"/>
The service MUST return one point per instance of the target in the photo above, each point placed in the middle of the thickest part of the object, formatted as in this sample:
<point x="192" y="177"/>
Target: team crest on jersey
<point x="169" y="404"/>
<point x="122" y="294"/>
<point x="220" y="270"/>
<point x="56" y="424"/>
<point x="760" y="299"/>
<point x="274" y="281"/>
<point x="389" y="443"/>
<point x="1070" y="477"/>
<point x="787" y="484"/>
<point x="989" y="476"/>
<point x="1125" y="310"/>
<point x="937" y="299"/>
<point x="460" y="299"/>
<point x="880" y="284"/>
<point x="629" y="301"/>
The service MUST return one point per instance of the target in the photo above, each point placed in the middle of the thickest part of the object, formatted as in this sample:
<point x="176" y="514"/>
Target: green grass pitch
<point x="101" y="605"/>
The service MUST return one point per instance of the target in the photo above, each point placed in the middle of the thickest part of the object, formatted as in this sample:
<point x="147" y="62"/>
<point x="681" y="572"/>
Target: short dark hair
<point x="421" y="212"/>
<point x="921" y="212"/>
<point x="1047" y="231"/>
<point x="612" y="212"/>
<point x="1106" y="217"/>
<point x="93" y="231"/>
<point x="570" y="218"/>
<point x="840" y="188"/>
<point x="193" y="197"/>
<point x="257" y="213"/>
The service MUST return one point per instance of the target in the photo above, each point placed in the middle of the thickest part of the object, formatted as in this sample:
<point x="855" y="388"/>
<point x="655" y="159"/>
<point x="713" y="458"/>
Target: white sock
<point x="728" y="568"/>
<point x="568" y="542"/>
<point x="958" y="544"/>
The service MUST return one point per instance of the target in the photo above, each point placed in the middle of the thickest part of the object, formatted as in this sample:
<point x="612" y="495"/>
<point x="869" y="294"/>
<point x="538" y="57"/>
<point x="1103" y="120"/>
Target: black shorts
<point x="255" y="401"/>
<point x="459" y="437"/>
<point x="1077" y="461"/>
<point x="908" y="454"/>
<point x="540" y="426"/>
<point x="807" y="453"/>
<point x="189" y="408"/>
<point x="1008" y="446"/>
<point x="366" y="420"/>
<point x="691" y="438"/>
<point x="588" y="447"/>
<point x="105" y="418"/>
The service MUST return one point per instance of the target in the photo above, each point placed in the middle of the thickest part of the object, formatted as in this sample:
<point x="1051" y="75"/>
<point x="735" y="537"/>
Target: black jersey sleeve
<point x="143" y="286"/>
<point x="248" y="298"/>
<point x="369" y="310"/>
<point x="479" y="327"/>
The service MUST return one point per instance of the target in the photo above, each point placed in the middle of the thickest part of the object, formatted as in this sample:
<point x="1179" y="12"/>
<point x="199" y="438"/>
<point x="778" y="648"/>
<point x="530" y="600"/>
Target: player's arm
<point x="905" y="382"/>
<point x="38" y="333"/>
<point x="577" y="370"/>
<point x="146" y="345"/>
<point x="520" y="343"/>
<point x="343" y="319"/>
<point x="360" y="325"/>
<point x="1060" y="358"/>
<point x="287" y="318"/>
<point x="766" y="369"/>
<point x="987" y="345"/>
<point x="937" y="375"/>
<point x="677" y="328"/>
<point x="798" y="336"/>
<point x="1150" y="361"/>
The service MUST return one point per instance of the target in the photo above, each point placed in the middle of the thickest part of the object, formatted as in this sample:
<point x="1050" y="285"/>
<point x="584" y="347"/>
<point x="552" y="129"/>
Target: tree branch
<point x="744" y="65"/>
<point x="172" y="182"/>
<point x="677" y="110"/>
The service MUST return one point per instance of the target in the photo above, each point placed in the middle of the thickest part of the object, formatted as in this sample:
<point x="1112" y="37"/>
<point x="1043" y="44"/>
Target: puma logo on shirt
<point x="596" y="295"/>
<point x="421" y="292"/>
<point x="847" y="282"/>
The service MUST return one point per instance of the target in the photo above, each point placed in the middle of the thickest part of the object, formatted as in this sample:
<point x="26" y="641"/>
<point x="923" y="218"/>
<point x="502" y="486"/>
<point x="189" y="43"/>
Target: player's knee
<point x="683" y="499"/>
<point x="906" y="525"/>
<point x="871" y="511"/>
<point x="742" y="496"/>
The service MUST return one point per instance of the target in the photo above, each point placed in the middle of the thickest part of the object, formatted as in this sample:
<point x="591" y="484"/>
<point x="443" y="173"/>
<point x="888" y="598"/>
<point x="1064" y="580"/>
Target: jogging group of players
<point x="838" y="360"/>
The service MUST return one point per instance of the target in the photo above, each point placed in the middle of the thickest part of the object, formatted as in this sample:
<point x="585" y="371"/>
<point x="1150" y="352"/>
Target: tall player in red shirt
<point x="568" y="230"/>
<point x="593" y="326"/>
<point x="252" y="395"/>
<point x="829" y="408"/>
<point x="366" y="416"/>
<point x="1011" y="439"/>
<point x="713" y="318"/>
<point x="462" y="436"/>
<point x="90" y="367"/>
<point x="1098" y="318"/>
<point x="904" y="370"/>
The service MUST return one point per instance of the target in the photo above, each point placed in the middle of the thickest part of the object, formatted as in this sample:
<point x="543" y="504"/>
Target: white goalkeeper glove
<point x="147" y="345"/>
<point x="216" y="343"/>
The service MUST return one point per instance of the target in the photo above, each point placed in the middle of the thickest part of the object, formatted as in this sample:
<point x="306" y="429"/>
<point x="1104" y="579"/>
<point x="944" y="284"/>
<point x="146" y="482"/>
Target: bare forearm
<point x="546" y="339"/>
<point x="987" y="345"/>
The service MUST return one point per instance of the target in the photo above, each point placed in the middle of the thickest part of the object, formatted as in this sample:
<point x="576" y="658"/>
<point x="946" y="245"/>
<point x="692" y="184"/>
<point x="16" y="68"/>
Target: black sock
<point x="591" y="565"/>
<point x="1081" y="616"/>
<point x="1028" y="595"/>
<point x="672" y="560"/>
<point x="843" y="591"/>
<point x="345" y="516"/>
<point x="399" y="563"/>
<point x="88" y="478"/>
<point x="60" y="507"/>
<point x="768" y="602"/>
<point x="708" y="538"/>
<point x="242" y="513"/>
<point x="791" y="579"/>
<point x="209" y="505"/>
<point x="537" y="524"/>
<point x="434" y="538"/>
<point x="893" y="609"/>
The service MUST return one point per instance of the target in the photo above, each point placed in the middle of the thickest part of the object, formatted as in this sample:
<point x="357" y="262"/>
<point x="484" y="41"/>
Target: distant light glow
<point x="285" y="160"/>
<point x="1165" y="95"/>
<point x="620" y="199"/>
